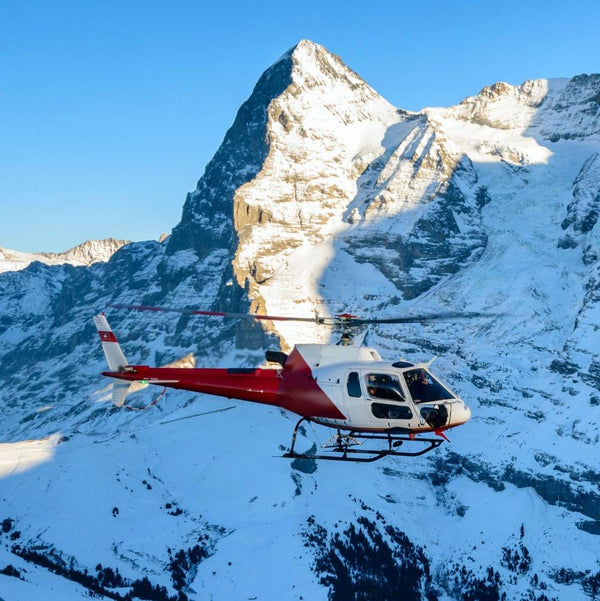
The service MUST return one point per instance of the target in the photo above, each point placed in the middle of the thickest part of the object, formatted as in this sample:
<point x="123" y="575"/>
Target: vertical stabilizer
<point x="114" y="356"/>
<point x="110" y="346"/>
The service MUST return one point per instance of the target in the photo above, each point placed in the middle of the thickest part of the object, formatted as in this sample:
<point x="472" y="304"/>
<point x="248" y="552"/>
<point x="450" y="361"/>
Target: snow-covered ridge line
<point x="87" y="253"/>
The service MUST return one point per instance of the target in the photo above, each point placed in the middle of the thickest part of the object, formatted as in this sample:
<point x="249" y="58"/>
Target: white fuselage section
<point x="376" y="396"/>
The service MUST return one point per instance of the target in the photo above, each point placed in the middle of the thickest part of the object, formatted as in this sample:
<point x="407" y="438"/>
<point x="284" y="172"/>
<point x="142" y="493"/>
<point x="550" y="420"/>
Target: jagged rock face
<point x="572" y="111"/>
<point x="583" y="211"/>
<point x="422" y="218"/>
<point x="347" y="170"/>
<point x="581" y="227"/>
<point x="206" y="222"/>
<point x="323" y="131"/>
<point x="324" y="197"/>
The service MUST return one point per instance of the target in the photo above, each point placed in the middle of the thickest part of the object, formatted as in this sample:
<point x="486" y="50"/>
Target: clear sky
<point x="110" y="110"/>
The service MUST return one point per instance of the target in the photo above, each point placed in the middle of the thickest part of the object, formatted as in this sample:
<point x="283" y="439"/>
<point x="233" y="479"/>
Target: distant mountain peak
<point x="87" y="253"/>
<point x="90" y="251"/>
<point x="555" y="109"/>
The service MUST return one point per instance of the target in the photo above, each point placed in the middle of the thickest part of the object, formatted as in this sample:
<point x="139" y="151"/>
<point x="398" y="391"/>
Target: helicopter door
<point x="386" y="400"/>
<point x="355" y="399"/>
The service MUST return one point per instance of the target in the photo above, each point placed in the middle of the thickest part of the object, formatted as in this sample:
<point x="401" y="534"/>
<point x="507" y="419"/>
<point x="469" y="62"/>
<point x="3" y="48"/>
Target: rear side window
<point x="354" y="385"/>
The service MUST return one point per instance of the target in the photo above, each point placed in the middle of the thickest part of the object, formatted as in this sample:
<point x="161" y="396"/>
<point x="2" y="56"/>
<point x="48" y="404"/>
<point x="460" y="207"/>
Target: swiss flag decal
<point x="107" y="337"/>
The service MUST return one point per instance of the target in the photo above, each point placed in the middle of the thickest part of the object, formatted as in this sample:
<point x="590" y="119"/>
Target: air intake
<point x="276" y="357"/>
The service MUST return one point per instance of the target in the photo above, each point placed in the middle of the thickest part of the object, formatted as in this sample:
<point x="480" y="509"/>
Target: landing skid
<point x="343" y="446"/>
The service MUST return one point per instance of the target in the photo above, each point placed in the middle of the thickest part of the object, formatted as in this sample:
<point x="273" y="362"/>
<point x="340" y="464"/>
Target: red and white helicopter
<point x="341" y="386"/>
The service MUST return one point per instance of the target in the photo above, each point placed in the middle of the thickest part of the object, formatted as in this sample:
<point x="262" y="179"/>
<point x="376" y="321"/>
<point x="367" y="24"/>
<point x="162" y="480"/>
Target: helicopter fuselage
<point x="346" y="387"/>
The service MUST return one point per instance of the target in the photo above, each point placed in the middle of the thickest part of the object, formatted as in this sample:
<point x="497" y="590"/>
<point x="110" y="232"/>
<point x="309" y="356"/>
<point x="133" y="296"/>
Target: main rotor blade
<point x="224" y="314"/>
<point x="344" y="319"/>
<point x="418" y="318"/>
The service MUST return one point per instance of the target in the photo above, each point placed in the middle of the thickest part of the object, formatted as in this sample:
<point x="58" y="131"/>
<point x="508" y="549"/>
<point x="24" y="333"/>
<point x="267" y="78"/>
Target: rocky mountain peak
<point x="314" y="65"/>
<point x="319" y="80"/>
<point x="502" y="105"/>
<point x="90" y="252"/>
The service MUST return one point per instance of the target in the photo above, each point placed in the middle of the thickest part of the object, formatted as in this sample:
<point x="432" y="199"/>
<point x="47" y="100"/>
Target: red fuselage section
<point x="293" y="387"/>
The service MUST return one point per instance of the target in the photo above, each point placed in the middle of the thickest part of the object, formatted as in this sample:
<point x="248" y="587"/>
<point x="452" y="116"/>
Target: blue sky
<point x="110" y="110"/>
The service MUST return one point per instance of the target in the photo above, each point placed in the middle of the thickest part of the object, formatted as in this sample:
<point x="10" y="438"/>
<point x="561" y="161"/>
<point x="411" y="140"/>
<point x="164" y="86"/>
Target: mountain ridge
<point x="86" y="253"/>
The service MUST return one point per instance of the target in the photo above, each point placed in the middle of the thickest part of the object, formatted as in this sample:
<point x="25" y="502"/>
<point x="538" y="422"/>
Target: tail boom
<point x="263" y="386"/>
<point x="256" y="385"/>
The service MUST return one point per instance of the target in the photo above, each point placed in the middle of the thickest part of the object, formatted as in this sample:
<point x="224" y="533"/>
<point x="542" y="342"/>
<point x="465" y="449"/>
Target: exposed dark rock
<point x="207" y="220"/>
<point x="434" y="248"/>
<point x="564" y="367"/>
<point x="584" y="209"/>
<point x="10" y="570"/>
<point x="553" y="490"/>
<point x="592" y="376"/>
<point x="591" y="526"/>
<point x="364" y="562"/>
<point x="306" y="466"/>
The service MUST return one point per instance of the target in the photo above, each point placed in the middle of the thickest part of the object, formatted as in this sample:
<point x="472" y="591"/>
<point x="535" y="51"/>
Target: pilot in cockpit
<point x="418" y="385"/>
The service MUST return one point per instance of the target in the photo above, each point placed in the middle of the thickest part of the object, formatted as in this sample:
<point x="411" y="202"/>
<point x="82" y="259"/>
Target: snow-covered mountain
<point x="322" y="198"/>
<point x="87" y="253"/>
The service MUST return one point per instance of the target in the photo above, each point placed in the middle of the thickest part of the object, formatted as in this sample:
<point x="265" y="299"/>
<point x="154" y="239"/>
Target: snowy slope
<point x="324" y="198"/>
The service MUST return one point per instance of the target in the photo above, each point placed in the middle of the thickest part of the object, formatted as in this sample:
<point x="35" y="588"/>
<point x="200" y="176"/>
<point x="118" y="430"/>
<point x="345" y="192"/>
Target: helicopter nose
<point x="461" y="413"/>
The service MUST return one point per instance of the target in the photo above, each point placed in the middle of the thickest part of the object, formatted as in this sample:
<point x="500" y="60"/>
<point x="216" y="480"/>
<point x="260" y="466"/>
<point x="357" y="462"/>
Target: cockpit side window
<point x="354" y="385"/>
<point x="387" y="411"/>
<point x="424" y="388"/>
<point x="384" y="386"/>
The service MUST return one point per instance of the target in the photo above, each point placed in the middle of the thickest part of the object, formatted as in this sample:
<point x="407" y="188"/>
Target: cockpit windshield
<point x="424" y="388"/>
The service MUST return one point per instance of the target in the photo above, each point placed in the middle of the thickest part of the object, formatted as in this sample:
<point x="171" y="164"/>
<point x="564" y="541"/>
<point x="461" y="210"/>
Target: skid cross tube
<point x="341" y="447"/>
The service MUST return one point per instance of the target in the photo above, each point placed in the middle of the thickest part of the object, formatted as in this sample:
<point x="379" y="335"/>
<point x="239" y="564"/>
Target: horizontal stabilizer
<point x="119" y="394"/>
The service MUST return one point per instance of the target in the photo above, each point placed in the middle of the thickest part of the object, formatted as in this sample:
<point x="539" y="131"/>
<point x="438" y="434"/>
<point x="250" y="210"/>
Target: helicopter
<point x="377" y="408"/>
